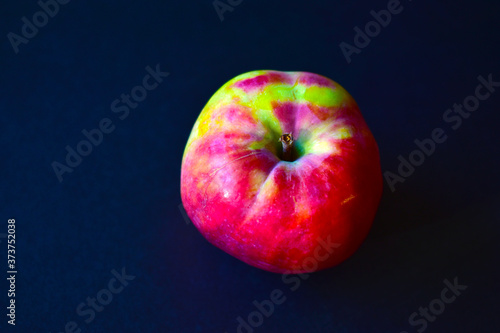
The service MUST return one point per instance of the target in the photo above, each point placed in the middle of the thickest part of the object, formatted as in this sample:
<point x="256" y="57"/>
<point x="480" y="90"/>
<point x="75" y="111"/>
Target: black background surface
<point x="119" y="208"/>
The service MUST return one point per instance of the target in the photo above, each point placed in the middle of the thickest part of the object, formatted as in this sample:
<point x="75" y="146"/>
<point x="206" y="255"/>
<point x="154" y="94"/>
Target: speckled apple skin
<point x="273" y="214"/>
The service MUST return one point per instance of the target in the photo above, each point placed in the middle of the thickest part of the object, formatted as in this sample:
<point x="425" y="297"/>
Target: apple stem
<point x="287" y="142"/>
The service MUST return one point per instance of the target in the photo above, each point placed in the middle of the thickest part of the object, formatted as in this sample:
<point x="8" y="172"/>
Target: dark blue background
<point x="120" y="206"/>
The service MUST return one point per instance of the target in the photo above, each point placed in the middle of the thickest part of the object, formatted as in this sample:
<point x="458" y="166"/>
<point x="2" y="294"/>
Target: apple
<point x="282" y="172"/>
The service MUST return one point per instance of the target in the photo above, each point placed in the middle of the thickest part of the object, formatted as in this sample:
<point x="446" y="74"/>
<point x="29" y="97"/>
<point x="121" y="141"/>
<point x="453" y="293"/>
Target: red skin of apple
<point x="274" y="214"/>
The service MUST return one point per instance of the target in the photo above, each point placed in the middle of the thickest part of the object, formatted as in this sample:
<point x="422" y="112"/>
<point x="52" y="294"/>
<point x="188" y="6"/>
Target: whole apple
<point x="282" y="172"/>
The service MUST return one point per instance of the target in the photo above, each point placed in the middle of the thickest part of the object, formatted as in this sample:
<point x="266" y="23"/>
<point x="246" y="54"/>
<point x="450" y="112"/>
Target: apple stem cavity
<point x="287" y="142"/>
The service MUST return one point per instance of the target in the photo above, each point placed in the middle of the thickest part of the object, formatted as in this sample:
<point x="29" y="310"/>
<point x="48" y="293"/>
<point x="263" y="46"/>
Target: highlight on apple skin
<point x="282" y="172"/>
